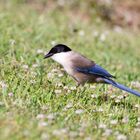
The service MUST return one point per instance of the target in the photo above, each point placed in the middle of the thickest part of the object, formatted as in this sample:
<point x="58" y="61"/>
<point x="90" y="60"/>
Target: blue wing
<point x="99" y="71"/>
<point x="95" y="70"/>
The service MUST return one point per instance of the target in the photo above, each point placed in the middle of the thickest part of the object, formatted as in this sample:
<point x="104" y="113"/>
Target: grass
<point x="39" y="101"/>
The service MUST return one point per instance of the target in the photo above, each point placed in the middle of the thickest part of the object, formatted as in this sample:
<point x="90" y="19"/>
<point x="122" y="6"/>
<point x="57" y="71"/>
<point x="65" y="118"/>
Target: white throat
<point x="62" y="58"/>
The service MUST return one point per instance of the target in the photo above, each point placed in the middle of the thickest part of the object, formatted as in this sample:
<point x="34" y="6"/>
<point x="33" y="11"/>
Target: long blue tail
<point x="120" y="86"/>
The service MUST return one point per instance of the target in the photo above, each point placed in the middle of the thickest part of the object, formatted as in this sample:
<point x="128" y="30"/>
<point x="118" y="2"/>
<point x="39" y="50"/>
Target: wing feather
<point x="95" y="70"/>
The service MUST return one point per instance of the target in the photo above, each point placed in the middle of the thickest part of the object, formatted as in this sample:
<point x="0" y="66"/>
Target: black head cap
<point x="58" y="49"/>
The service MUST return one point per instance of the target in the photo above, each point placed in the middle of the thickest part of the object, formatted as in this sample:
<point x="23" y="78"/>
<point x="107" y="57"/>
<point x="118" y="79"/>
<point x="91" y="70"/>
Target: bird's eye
<point x="53" y="51"/>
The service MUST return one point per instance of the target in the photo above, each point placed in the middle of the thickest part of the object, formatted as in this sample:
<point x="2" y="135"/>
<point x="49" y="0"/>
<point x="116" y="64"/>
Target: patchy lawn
<point x="39" y="101"/>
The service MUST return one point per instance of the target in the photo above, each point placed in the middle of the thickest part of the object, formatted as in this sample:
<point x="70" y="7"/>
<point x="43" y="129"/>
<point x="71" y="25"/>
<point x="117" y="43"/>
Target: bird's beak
<point x="48" y="55"/>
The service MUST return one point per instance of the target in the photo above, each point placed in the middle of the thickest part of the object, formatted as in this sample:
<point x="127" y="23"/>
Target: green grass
<point x="44" y="103"/>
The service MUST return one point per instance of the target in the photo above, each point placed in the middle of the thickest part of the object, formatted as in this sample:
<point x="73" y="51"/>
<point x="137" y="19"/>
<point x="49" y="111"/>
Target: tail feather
<point x="120" y="86"/>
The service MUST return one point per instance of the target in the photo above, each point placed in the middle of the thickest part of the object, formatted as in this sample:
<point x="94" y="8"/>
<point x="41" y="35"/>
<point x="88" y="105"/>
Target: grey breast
<point x="80" y="61"/>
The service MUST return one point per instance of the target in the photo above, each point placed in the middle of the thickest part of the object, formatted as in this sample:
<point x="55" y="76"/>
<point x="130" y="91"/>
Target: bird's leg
<point x="77" y="84"/>
<point x="80" y="87"/>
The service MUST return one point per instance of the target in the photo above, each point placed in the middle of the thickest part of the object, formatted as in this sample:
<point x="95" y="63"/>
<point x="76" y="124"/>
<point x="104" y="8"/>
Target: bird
<point x="82" y="69"/>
